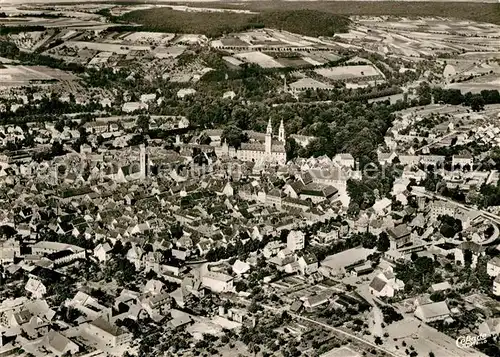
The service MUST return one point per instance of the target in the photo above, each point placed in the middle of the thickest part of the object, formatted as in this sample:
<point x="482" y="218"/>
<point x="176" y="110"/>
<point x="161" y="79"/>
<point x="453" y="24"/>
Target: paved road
<point x="334" y="329"/>
<point x="437" y="140"/>
<point x="347" y="334"/>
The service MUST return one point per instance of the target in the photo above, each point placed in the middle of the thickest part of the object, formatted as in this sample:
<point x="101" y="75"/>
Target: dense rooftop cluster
<point x="263" y="185"/>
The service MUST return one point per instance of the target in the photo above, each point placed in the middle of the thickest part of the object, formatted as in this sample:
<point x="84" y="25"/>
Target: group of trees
<point x="366" y="240"/>
<point x="234" y="136"/>
<point x="489" y="195"/>
<point x="455" y="97"/>
<point x="55" y="150"/>
<point x="264" y="335"/>
<point x="475" y="101"/>
<point x="390" y="314"/>
<point x="352" y="127"/>
<point x="339" y="127"/>
<point x="11" y="51"/>
<point x="377" y="183"/>
<point x="79" y="241"/>
<point x="213" y="24"/>
<point x="237" y="249"/>
<point x="120" y="269"/>
<point x="14" y="30"/>
<point x="418" y="275"/>
<point x="48" y="107"/>
<point x="449" y="226"/>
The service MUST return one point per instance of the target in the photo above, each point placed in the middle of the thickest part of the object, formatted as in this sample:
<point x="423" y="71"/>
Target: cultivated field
<point x="477" y="85"/>
<point x="349" y="72"/>
<point x="260" y="59"/>
<point x="106" y="47"/>
<point x="15" y="76"/>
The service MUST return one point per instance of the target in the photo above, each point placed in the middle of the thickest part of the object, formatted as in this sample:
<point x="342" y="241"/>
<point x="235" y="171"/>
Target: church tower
<point x="143" y="162"/>
<point x="281" y="132"/>
<point x="269" y="137"/>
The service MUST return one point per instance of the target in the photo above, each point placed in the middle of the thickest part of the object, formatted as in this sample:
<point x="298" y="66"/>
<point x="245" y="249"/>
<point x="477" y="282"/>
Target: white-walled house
<point x="106" y="334"/>
<point x="217" y="282"/>
<point x="432" y="312"/>
<point x="385" y="284"/>
<point x="36" y="288"/>
<point x="295" y="241"/>
<point x="496" y="286"/>
<point x="130" y="107"/>
<point x="344" y="159"/>
<point x="103" y="252"/>
<point x="493" y="267"/>
<point x="59" y="344"/>
<point x="308" y="264"/>
<point x="490" y="327"/>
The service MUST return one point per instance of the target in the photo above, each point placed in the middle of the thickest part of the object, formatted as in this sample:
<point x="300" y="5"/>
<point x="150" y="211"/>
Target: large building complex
<point x="269" y="151"/>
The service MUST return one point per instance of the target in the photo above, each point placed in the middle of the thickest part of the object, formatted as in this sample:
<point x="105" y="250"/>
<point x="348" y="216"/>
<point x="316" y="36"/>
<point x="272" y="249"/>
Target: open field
<point x="477" y="85"/>
<point x="105" y="47"/>
<point x="15" y="76"/>
<point x="432" y="36"/>
<point x="260" y="59"/>
<point x="349" y="72"/>
<point x="39" y="24"/>
<point x="425" y="339"/>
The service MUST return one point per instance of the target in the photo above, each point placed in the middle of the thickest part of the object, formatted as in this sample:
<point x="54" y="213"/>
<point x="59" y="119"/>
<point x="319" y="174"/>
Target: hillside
<point x="305" y="22"/>
<point x="469" y="10"/>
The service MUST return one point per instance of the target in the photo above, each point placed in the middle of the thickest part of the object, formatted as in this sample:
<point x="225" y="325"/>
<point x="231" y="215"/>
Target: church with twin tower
<point x="272" y="150"/>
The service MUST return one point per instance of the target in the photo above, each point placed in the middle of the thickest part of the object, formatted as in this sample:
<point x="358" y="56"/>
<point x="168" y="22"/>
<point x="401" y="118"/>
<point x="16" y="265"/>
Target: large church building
<point x="271" y="150"/>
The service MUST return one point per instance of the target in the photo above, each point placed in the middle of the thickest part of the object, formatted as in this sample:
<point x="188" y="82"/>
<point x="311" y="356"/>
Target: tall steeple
<point x="143" y="162"/>
<point x="269" y="127"/>
<point x="269" y="137"/>
<point x="281" y="132"/>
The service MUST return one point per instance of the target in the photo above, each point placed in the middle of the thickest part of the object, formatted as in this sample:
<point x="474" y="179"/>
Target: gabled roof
<point x="343" y="351"/>
<point x="309" y="83"/>
<point x="495" y="261"/>
<point x="377" y="284"/>
<point x="472" y="246"/>
<point x="318" y="299"/>
<point x="58" y="342"/>
<point x="398" y="232"/>
<point x="106" y="247"/>
<point x="295" y="307"/>
<point x="441" y="286"/>
<point x="106" y="326"/>
<point x="310" y="258"/>
<point x="316" y="189"/>
<point x="433" y="310"/>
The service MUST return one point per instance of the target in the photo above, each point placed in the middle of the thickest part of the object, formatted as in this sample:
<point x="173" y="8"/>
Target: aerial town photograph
<point x="247" y="178"/>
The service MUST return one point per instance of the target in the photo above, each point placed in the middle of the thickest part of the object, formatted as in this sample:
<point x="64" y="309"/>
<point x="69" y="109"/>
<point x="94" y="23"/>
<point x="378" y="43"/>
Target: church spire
<point x="281" y="132"/>
<point x="269" y="127"/>
<point x="143" y="161"/>
<point x="269" y="138"/>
